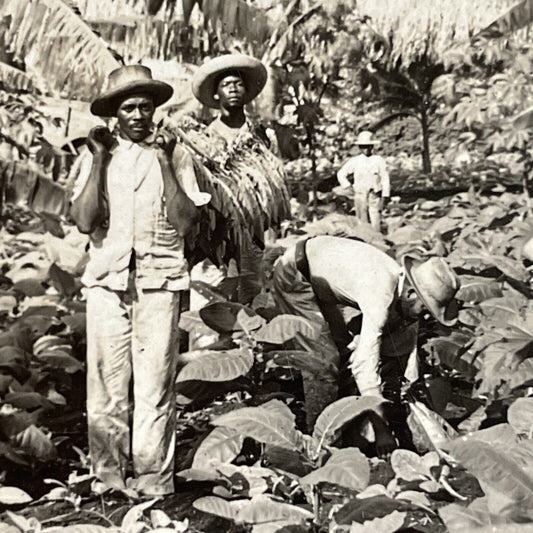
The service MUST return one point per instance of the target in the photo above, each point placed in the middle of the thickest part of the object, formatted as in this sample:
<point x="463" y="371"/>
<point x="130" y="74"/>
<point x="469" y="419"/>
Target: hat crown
<point x="365" y="137"/>
<point x="127" y="74"/>
<point x="436" y="279"/>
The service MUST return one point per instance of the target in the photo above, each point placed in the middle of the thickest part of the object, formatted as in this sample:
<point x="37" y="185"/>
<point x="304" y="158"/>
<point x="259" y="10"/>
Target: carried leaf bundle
<point x="247" y="184"/>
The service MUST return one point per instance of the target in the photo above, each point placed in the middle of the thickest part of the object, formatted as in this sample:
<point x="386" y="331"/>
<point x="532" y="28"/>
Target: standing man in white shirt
<point x="129" y="195"/>
<point x="369" y="180"/>
<point x="319" y="276"/>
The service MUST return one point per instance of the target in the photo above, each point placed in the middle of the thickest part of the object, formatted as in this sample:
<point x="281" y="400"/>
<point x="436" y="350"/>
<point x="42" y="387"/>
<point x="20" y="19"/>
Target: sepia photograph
<point x="266" y="266"/>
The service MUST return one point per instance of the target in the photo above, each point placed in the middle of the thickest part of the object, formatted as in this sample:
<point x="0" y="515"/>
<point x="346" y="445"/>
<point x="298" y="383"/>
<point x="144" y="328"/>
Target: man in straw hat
<point x="129" y="195"/>
<point x="325" y="278"/>
<point x="228" y="83"/>
<point x="371" y="185"/>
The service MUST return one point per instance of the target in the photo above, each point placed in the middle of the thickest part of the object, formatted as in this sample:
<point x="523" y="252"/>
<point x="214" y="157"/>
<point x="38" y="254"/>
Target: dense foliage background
<point x="441" y="84"/>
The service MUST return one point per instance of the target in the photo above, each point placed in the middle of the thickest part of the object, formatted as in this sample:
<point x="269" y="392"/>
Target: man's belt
<point x="301" y="259"/>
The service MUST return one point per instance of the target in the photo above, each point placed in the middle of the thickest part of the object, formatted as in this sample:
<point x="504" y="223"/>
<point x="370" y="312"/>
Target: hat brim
<point x="205" y="79"/>
<point x="447" y="316"/>
<point x="107" y="104"/>
<point x="369" y="143"/>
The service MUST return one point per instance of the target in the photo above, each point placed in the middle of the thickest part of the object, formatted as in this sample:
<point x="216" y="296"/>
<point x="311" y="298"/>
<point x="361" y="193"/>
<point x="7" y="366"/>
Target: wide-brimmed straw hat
<point x="206" y="78"/>
<point x="127" y="81"/>
<point x="365" y="139"/>
<point x="436" y="285"/>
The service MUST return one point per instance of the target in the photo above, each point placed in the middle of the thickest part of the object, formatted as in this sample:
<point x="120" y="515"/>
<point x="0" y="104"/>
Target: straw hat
<point x="365" y="139"/>
<point x="436" y="284"/>
<point x="205" y="80"/>
<point x="127" y="81"/>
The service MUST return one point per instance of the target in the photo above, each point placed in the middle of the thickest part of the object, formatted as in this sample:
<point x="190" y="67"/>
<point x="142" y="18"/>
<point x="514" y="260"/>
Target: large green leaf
<point x="283" y="328"/>
<point x="388" y="524"/>
<point x="222" y="445"/>
<point x="475" y="289"/>
<point x="478" y="518"/>
<point x="337" y="414"/>
<point x="217" y="366"/>
<point x="257" y="510"/>
<point x="298" y="359"/>
<point x="496" y="469"/>
<point x="520" y="416"/>
<point x="263" y="425"/>
<point x="223" y="316"/>
<point x="449" y="351"/>
<point x="523" y="375"/>
<point x="13" y="495"/>
<point x="500" y="436"/>
<point x="430" y="431"/>
<point x="347" y="467"/>
<point x="34" y="443"/>
<point x="409" y="466"/>
<point x="362" y="509"/>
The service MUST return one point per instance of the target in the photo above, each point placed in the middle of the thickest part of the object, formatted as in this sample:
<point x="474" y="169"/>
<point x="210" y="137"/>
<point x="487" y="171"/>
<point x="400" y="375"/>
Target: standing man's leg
<point x="374" y="210"/>
<point x="360" y="201"/>
<point x="154" y="347"/>
<point x="108" y="376"/>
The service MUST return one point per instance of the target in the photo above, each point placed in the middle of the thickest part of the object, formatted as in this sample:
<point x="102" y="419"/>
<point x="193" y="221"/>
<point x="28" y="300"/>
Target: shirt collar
<point x="126" y="144"/>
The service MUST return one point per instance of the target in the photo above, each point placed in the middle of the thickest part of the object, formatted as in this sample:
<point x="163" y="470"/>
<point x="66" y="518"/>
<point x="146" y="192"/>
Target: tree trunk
<point x="426" y="159"/>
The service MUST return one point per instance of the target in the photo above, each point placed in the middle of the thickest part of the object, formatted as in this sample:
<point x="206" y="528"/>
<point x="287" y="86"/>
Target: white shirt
<point x="354" y="273"/>
<point x="137" y="221"/>
<point x="369" y="173"/>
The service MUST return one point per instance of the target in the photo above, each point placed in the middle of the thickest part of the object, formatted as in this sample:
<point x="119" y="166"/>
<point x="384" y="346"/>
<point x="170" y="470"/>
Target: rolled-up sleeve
<point x="365" y="359"/>
<point x="186" y="175"/>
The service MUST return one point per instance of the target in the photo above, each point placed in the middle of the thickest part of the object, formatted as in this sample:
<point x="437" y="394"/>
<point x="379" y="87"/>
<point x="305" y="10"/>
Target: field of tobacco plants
<point x="247" y="459"/>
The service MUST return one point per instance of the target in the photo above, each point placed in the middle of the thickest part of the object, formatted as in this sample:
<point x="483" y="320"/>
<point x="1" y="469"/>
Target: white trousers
<point x="368" y="208"/>
<point x="132" y="338"/>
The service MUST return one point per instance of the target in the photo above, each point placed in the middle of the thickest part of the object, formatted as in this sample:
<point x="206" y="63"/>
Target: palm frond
<point x="56" y="45"/>
<point x="516" y="18"/>
<point x="428" y="29"/>
<point x="13" y="79"/>
<point x="27" y="187"/>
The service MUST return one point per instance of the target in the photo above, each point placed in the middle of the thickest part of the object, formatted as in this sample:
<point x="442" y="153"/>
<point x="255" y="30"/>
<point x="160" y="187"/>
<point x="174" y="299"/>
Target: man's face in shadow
<point x="135" y="114"/>
<point x="231" y="91"/>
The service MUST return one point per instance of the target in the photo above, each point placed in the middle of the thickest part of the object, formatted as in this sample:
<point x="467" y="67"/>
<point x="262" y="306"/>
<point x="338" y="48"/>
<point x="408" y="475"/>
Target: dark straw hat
<point x="127" y="81"/>
<point x="436" y="285"/>
<point x="207" y="77"/>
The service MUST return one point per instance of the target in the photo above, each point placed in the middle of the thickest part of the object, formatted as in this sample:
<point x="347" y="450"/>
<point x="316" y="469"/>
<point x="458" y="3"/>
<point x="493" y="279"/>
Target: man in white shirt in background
<point x="367" y="175"/>
<point x="320" y="276"/>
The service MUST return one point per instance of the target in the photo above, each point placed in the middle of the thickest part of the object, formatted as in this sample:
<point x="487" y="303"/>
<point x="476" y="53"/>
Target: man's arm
<point x="364" y="364"/>
<point x="89" y="208"/>
<point x="364" y="361"/>
<point x="343" y="173"/>
<point x="181" y="211"/>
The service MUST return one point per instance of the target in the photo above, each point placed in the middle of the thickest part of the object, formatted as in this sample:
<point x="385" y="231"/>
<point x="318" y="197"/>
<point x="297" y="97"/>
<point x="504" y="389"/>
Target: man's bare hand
<point x="100" y="140"/>
<point x="165" y="141"/>
<point x="385" y="442"/>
